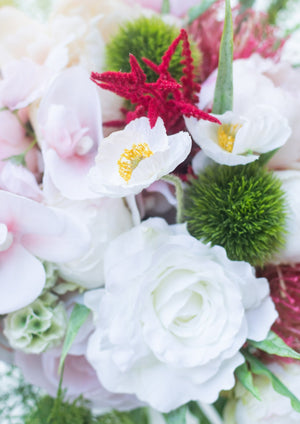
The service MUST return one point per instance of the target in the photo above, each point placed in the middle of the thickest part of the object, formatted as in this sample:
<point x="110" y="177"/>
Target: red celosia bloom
<point x="285" y="291"/>
<point x="252" y="34"/>
<point x="165" y="98"/>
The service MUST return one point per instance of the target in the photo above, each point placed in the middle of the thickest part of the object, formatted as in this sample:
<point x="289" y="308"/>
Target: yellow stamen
<point x="130" y="159"/>
<point x="226" y="136"/>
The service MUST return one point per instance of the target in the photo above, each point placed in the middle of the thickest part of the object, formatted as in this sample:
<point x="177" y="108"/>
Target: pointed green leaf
<point x="244" y="376"/>
<point x="196" y="11"/>
<point x="78" y="317"/>
<point x="265" y="157"/>
<point x="274" y="345"/>
<point x="198" y="413"/>
<point x="138" y="416"/>
<point x="178" y="416"/>
<point x="223" y="97"/>
<point x="17" y="159"/>
<point x="165" y="8"/>
<point x="259" y="368"/>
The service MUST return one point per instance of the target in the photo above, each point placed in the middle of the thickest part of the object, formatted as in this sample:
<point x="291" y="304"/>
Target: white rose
<point x="173" y="317"/>
<point x="273" y="408"/>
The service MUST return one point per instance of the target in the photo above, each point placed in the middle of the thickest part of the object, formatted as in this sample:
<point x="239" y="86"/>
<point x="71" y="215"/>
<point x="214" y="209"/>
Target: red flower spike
<point x="166" y="97"/>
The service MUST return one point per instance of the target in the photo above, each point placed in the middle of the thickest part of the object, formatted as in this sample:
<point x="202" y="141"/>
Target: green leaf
<point x="17" y="159"/>
<point x="196" y="11"/>
<point x="138" y="416"/>
<point x="275" y="7"/>
<point x="245" y="4"/>
<point x="259" y="368"/>
<point x="165" y="8"/>
<point x="78" y="317"/>
<point x="274" y="345"/>
<point x="223" y="98"/>
<point x="198" y="413"/>
<point x="244" y="376"/>
<point x="177" y="416"/>
<point x="265" y="157"/>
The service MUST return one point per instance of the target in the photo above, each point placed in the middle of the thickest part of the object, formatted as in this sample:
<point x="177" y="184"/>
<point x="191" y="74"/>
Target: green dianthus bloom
<point x="149" y="38"/>
<point x="241" y="208"/>
<point x="38" y="326"/>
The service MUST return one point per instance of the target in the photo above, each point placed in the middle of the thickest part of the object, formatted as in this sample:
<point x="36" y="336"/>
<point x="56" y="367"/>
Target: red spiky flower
<point x="165" y="98"/>
<point x="284" y="283"/>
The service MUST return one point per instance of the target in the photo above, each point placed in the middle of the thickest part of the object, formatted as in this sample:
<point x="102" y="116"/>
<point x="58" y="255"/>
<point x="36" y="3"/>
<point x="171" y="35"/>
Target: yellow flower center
<point x="130" y="159"/>
<point x="226" y="136"/>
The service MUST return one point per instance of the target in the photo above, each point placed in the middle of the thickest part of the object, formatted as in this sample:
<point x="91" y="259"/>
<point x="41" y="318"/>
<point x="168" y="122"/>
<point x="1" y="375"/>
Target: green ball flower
<point x="38" y="326"/>
<point x="241" y="208"/>
<point x="146" y="37"/>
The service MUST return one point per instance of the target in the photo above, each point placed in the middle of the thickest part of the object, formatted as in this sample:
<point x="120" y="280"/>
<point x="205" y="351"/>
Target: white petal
<point x="22" y="278"/>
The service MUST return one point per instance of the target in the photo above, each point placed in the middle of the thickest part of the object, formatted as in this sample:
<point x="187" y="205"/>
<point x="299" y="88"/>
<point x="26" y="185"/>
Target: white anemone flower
<point x="132" y="159"/>
<point x="240" y="139"/>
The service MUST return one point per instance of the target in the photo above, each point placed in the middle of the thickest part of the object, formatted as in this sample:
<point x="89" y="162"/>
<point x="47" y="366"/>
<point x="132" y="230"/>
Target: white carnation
<point x="173" y="317"/>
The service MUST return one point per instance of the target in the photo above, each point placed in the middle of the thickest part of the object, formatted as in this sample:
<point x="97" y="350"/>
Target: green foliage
<point x="223" y="96"/>
<point x="197" y="412"/>
<point x="245" y="377"/>
<point x="178" y="416"/>
<point x="274" y="345"/>
<point x="145" y="37"/>
<point x="197" y="10"/>
<point x="165" y="8"/>
<point x="241" y="208"/>
<point x="275" y="7"/>
<point x="245" y="4"/>
<point x="58" y="411"/>
<point x="78" y="317"/>
<point x="258" y="368"/>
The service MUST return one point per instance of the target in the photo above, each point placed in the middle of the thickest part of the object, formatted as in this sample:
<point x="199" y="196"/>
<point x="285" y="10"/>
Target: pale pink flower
<point x="22" y="83"/>
<point x="13" y="142"/>
<point x="29" y="229"/>
<point x="69" y="126"/>
<point x="19" y="180"/>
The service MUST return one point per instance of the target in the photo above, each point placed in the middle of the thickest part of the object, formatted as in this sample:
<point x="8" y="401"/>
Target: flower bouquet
<point x="149" y="188"/>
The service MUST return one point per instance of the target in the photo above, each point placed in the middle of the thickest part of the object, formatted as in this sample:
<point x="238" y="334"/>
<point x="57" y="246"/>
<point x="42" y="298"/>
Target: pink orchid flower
<point x="69" y="125"/>
<point x="29" y="229"/>
<point x="23" y="82"/>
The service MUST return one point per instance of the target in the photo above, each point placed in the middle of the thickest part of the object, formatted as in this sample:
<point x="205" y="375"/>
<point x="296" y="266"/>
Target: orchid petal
<point x="22" y="278"/>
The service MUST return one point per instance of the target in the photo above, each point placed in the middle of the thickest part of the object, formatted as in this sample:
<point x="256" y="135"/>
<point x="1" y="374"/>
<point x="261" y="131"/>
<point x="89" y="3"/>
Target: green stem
<point x="31" y="145"/>
<point x="176" y="181"/>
